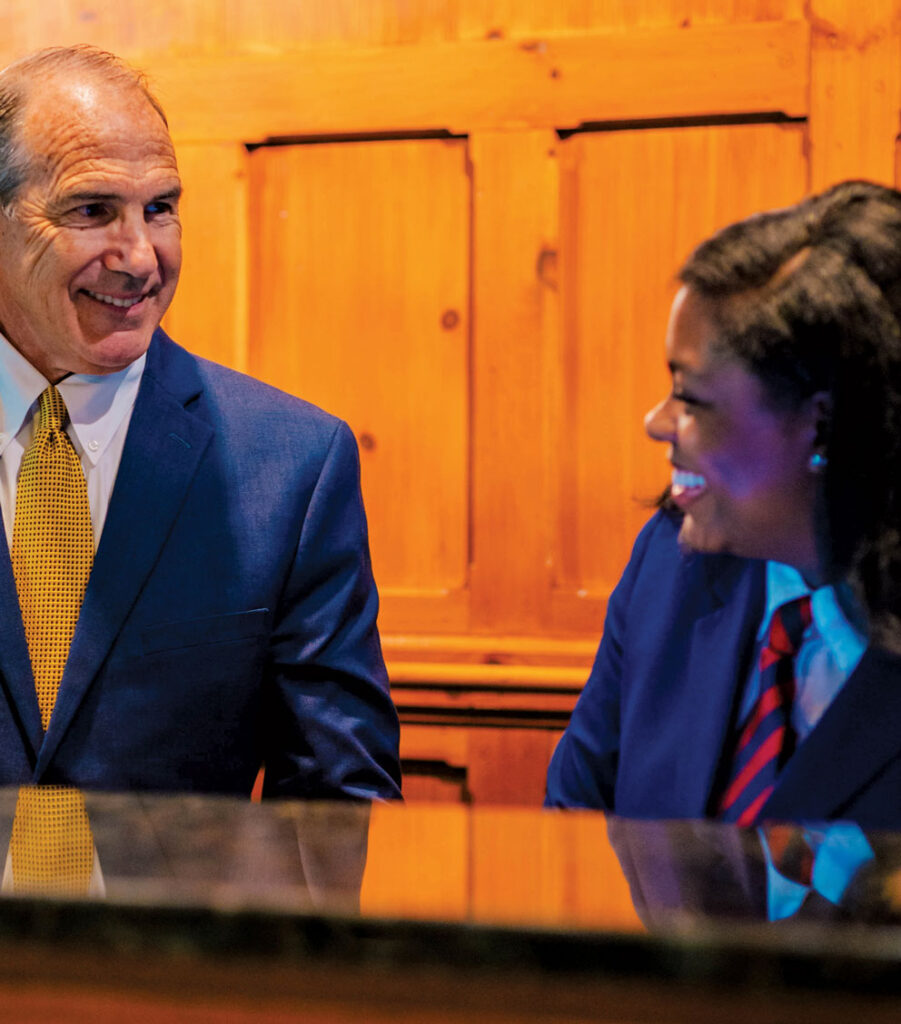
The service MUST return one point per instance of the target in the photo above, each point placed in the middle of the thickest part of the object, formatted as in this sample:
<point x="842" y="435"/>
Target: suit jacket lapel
<point x="818" y="779"/>
<point x="15" y="661"/>
<point x="721" y="649"/>
<point x="162" y="451"/>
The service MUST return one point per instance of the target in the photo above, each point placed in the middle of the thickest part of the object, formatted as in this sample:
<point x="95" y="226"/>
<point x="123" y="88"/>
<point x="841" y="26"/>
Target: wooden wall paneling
<point x="520" y="681"/>
<point x="566" y="870"/>
<point x="435" y="762"/>
<point x="258" y="26"/>
<point x="360" y="303"/>
<point x="514" y="302"/>
<point x="128" y="28"/>
<point x="488" y="651"/>
<point x="556" y="82"/>
<point x="267" y="25"/>
<point x="509" y="765"/>
<point x="479" y="18"/>
<point x="478" y="764"/>
<point x="209" y="314"/>
<point x="634" y="203"/>
<point x="417" y="865"/>
<point x="855" y="90"/>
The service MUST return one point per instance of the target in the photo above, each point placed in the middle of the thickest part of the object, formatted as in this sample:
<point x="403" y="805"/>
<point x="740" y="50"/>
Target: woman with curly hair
<point x="751" y="660"/>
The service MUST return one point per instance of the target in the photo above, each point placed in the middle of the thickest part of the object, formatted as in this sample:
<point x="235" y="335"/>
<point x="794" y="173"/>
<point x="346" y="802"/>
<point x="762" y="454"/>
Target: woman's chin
<point x="695" y="536"/>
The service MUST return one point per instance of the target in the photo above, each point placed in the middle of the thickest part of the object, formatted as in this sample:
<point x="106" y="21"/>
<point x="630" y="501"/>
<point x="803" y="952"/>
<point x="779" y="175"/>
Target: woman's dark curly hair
<point x="809" y="299"/>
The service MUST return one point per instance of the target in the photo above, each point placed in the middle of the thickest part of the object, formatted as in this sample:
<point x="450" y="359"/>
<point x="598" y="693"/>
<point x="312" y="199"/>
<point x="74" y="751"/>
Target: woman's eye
<point x="685" y="399"/>
<point x="691" y="402"/>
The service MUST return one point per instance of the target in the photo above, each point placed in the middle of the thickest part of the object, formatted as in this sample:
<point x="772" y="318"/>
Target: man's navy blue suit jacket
<point x="230" y="616"/>
<point x="649" y="732"/>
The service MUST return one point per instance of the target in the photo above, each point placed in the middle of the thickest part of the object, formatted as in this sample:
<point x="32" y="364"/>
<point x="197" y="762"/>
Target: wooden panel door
<point x="633" y="204"/>
<point x="209" y="313"/>
<point x="359" y="302"/>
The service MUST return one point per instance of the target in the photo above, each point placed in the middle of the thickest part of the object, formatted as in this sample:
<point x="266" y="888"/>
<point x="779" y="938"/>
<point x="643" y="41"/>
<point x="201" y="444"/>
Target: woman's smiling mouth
<point x="685" y="486"/>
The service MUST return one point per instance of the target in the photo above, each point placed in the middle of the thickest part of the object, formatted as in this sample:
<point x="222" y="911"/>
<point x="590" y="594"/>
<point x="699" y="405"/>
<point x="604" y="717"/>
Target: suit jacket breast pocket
<point x="210" y="630"/>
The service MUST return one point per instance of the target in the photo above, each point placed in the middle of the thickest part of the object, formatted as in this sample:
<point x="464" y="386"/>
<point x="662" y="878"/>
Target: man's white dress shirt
<point x="100" y="410"/>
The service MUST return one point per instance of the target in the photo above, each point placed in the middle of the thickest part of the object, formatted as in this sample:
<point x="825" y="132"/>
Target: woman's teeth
<point x="685" y="481"/>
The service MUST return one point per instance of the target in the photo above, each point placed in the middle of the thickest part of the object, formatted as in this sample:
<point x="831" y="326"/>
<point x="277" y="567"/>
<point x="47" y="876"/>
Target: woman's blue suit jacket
<point x="648" y="734"/>
<point x="229" y="619"/>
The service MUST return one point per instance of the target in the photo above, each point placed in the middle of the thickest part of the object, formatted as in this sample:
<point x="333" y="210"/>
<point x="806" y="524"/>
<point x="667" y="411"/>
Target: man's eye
<point x="90" y="211"/>
<point x="157" y="208"/>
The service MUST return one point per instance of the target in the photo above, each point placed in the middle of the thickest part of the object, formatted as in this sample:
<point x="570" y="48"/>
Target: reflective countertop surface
<point x="565" y="893"/>
<point x="513" y="866"/>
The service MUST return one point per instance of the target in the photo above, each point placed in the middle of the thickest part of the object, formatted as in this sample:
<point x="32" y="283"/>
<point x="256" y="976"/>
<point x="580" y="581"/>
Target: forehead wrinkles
<point x="70" y="135"/>
<point x="84" y="154"/>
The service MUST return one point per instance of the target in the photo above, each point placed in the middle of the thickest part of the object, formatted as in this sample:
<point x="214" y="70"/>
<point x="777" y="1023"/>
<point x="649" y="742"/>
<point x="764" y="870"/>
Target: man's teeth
<point x="111" y="300"/>
<point x="687" y="481"/>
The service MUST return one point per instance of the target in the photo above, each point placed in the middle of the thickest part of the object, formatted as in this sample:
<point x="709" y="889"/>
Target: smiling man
<point x="91" y="243"/>
<point x="185" y="585"/>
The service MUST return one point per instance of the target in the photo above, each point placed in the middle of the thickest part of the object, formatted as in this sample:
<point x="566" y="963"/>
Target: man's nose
<point x="131" y="250"/>
<point x="659" y="422"/>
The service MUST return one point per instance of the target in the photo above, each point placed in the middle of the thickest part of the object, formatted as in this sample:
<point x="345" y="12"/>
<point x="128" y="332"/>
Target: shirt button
<point x="93" y="445"/>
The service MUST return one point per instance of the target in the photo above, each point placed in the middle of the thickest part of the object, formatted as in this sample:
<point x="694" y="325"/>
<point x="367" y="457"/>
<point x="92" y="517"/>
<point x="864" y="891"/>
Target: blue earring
<point x="818" y="462"/>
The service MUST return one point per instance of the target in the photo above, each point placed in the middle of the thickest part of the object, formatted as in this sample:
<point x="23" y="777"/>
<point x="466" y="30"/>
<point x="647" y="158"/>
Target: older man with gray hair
<point x="185" y="584"/>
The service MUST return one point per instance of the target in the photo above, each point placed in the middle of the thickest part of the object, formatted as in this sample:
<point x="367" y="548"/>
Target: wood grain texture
<point x="488" y="311"/>
<point x="209" y="315"/>
<point x="481" y="765"/>
<point x="417" y="865"/>
<point x="266" y="26"/>
<point x="506" y="676"/>
<point x="360" y="304"/>
<point x="567" y="867"/>
<point x="558" y="82"/>
<point x="496" y="649"/>
<point x="855" y="91"/>
<point x="515" y="239"/>
<point x="503" y="865"/>
<point x="635" y="203"/>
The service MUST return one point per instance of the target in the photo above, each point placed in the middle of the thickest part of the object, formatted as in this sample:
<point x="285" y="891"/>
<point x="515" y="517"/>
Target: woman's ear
<point x="821" y="407"/>
<point x="818" y="424"/>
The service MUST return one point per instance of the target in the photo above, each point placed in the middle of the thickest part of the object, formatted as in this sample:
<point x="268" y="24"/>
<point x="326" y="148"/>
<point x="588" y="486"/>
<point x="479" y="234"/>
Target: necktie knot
<point x="52" y="413"/>
<point x="790" y="621"/>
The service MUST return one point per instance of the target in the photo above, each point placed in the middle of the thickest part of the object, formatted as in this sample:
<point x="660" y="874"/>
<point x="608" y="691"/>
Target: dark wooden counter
<point x="218" y="911"/>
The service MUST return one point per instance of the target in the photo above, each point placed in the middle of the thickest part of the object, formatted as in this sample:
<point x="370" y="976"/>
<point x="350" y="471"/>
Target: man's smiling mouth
<point x="115" y="300"/>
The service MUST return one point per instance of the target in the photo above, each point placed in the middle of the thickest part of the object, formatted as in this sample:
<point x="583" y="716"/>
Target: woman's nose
<point x="659" y="422"/>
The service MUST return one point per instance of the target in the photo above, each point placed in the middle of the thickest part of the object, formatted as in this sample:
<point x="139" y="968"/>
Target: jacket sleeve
<point x="331" y="727"/>
<point x="582" y="772"/>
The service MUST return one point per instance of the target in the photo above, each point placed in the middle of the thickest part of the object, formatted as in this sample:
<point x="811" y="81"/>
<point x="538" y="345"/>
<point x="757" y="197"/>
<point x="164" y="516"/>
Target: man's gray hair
<point x="16" y="81"/>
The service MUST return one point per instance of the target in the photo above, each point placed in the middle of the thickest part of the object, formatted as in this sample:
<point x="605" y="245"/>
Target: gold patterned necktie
<point x="52" y="554"/>
<point x="53" y="546"/>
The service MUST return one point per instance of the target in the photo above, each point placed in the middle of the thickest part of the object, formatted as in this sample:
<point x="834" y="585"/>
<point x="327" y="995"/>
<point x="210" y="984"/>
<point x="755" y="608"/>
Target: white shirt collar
<point x="20" y="385"/>
<point x="97" y="405"/>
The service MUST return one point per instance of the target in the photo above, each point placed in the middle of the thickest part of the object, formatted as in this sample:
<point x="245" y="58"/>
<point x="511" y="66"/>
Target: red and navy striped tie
<point x="767" y="739"/>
